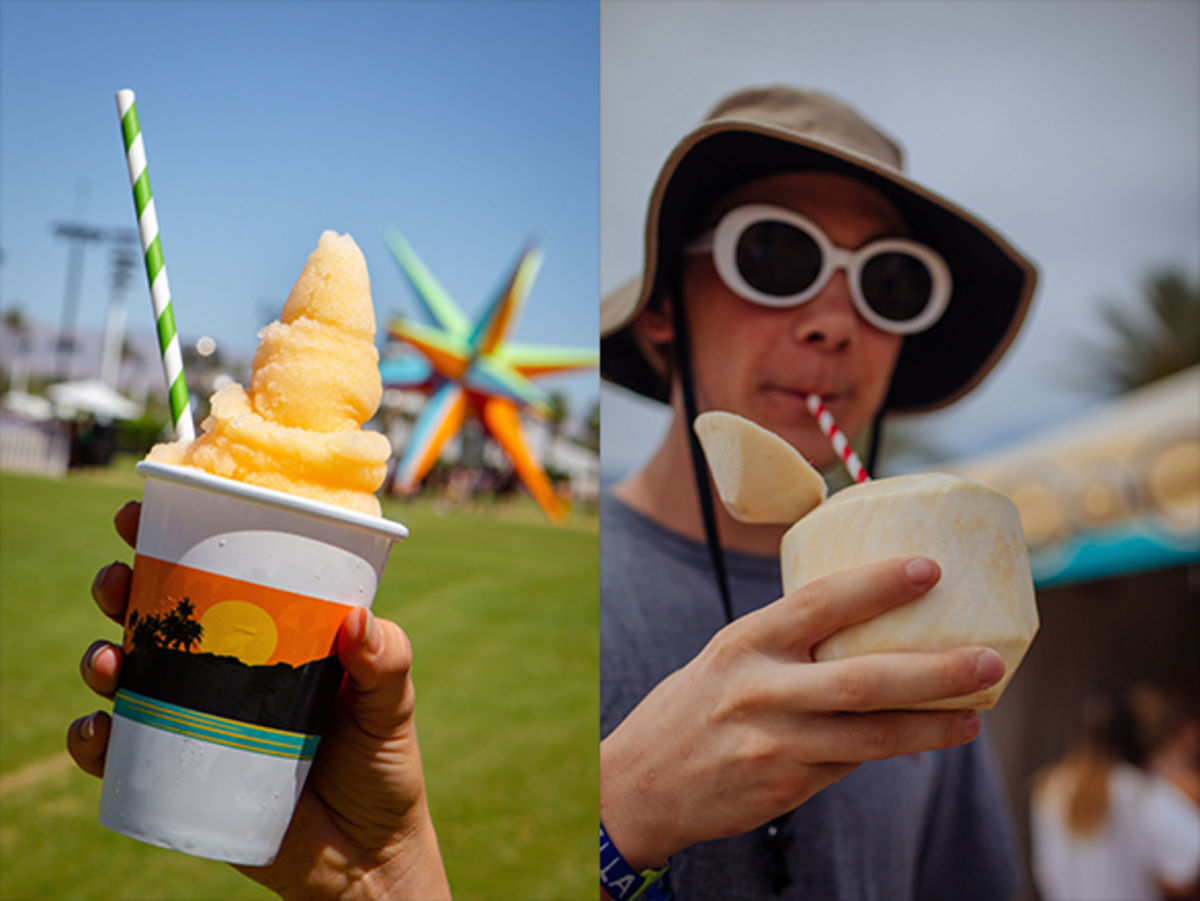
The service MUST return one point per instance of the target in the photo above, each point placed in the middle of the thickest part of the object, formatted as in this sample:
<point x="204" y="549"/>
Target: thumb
<point x="377" y="657"/>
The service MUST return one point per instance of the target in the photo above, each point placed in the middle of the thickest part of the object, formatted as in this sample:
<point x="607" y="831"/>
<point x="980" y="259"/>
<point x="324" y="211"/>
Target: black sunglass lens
<point x="778" y="259"/>
<point x="897" y="286"/>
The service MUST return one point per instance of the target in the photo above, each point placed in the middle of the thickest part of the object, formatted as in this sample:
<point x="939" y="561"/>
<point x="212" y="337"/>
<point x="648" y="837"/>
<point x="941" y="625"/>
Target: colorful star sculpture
<point x="469" y="367"/>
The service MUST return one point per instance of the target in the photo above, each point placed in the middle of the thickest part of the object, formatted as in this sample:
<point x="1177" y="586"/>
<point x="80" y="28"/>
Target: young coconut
<point x="985" y="593"/>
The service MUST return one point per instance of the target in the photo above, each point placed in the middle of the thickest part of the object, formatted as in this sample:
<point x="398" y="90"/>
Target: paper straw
<point x="156" y="269"/>
<point x="837" y="438"/>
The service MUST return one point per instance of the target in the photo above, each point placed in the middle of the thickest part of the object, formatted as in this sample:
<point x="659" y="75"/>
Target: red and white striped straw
<point x="841" y="444"/>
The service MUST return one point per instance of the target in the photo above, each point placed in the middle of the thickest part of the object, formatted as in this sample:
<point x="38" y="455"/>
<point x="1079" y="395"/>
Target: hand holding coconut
<point x="985" y="595"/>
<point x="874" y="651"/>
<point x="765" y="727"/>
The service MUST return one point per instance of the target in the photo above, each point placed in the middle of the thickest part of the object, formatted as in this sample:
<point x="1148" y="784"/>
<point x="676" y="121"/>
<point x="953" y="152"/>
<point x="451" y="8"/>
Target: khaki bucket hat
<point x="764" y="131"/>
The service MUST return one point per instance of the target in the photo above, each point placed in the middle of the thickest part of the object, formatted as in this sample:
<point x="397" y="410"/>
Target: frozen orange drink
<point x="256" y="540"/>
<point x="298" y="427"/>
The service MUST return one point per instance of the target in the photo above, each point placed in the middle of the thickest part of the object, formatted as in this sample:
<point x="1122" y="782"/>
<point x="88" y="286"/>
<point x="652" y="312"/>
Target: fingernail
<point x="920" y="570"/>
<point x="99" y="580"/>
<point x="372" y="637"/>
<point x="88" y="729"/>
<point x="971" y="725"/>
<point x="989" y="668"/>
<point x="89" y="656"/>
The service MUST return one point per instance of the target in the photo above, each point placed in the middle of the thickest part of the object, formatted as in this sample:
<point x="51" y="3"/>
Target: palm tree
<point x="179" y="630"/>
<point x="145" y="630"/>
<point x="171" y="630"/>
<point x="190" y="631"/>
<point x="16" y="325"/>
<point x="593" y="426"/>
<point x="14" y="321"/>
<point x="557" y="414"/>
<point x="193" y="632"/>
<point x="1148" y="343"/>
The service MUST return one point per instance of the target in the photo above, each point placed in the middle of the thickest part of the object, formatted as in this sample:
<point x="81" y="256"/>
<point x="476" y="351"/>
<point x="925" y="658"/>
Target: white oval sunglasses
<point x="776" y="257"/>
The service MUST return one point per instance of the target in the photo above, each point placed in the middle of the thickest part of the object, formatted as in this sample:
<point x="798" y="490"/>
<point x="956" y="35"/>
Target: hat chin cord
<point x="683" y="362"/>
<point x="776" y="834"/>
<point x="876" y="439"/>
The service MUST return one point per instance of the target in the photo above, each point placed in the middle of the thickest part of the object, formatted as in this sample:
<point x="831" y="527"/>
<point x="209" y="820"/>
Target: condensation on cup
<point x="230" y="666"/>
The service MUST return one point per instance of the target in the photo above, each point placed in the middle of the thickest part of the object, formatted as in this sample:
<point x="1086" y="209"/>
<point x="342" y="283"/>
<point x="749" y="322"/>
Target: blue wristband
<point x="620" y="880"/>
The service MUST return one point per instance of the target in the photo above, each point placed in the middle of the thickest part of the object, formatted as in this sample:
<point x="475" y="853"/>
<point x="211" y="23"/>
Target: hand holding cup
<point x="362" y="822"/>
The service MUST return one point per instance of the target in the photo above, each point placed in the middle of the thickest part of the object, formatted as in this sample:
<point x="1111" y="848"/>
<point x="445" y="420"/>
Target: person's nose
<point x="828" y="321"/>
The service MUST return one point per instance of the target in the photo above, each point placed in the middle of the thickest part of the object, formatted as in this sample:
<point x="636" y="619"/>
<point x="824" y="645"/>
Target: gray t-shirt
<point x="926" y="826"/>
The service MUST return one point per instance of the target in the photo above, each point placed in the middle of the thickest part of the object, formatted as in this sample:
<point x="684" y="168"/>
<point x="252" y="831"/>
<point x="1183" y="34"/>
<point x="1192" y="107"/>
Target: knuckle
<point x="742" y="701"/>
<point x="852" y="687"/>
<point x="758" y="750"/>
<point x="728" y="647"/>
<point x="815" y="597"/>
<point x="881" y="743"/>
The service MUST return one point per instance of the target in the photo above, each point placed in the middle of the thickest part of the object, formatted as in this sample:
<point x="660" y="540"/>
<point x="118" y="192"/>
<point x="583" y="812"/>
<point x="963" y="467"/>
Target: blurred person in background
<point x="1101" y="828"/>
<point x="1168" y="724"/>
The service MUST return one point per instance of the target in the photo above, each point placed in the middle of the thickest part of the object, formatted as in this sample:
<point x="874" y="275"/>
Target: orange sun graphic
<point x="239" y="629"/>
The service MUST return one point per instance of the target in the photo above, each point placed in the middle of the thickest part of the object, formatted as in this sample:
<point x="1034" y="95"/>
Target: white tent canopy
<point x="94" y="397"/>
<point x="30" y="406"/>
<point x="1115" y="490"/>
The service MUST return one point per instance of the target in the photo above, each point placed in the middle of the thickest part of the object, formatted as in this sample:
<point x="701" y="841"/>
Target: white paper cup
<point x="230" y="659"/>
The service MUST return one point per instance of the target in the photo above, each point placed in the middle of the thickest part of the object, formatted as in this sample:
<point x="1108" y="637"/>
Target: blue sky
<point x="472" y="127"/>
<point x="1072" y="127"/>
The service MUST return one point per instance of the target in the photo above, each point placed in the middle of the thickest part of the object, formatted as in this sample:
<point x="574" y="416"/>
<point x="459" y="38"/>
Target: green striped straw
<point x="156" y="269"/>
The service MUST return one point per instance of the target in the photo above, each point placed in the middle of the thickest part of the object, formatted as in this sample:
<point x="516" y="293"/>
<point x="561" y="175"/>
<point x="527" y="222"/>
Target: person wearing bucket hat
<point x="787" y="253"/>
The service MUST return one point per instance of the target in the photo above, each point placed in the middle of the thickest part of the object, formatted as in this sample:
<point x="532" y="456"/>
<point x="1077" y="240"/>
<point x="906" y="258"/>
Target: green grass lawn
<point x="502" y="610"/>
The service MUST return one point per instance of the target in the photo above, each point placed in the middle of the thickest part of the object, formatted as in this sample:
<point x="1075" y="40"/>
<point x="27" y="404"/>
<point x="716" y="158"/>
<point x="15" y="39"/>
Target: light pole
<point x="80" y="236"/>
<point x="124" y="259"/>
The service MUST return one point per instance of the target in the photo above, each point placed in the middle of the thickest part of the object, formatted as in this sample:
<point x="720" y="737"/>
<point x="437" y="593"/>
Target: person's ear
<point x="656" y="325"/>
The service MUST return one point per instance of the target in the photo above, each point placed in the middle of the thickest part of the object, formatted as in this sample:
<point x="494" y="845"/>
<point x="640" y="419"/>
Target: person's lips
<point x="828" y="395"/>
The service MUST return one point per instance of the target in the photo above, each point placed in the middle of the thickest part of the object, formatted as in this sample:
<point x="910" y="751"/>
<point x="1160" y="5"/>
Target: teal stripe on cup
<point x="214" y="729"/>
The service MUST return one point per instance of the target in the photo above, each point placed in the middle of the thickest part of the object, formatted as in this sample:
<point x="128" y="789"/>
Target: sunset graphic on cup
<point x="231" y="672"/>
<point x="225" y="647"/>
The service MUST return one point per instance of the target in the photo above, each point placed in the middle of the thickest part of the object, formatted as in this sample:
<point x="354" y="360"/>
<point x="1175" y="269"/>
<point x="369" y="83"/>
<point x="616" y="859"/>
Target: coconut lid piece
<point x="760" y="478"/>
